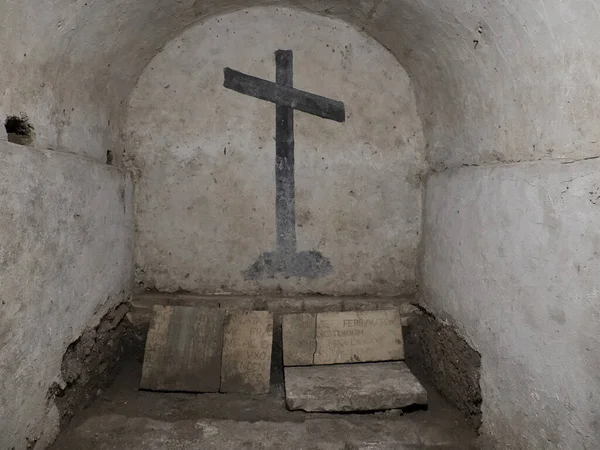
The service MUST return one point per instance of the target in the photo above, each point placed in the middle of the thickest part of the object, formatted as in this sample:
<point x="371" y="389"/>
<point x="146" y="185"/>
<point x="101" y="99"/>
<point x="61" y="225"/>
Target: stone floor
<point x="125" y="418"/>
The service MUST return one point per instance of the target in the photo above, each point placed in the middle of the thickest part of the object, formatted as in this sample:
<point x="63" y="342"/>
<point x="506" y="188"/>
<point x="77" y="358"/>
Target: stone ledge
<point x="141" y="305"/>
<point x="352" y="387"/>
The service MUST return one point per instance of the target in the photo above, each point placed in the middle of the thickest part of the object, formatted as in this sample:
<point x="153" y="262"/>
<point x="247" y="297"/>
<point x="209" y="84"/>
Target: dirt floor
<point x="123" y="417"/>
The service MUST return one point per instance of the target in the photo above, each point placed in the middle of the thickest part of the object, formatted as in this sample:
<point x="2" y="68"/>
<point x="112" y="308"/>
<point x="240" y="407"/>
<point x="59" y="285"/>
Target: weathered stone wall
<point x="511" y="258"/>
<point x="205" y="161"/>
<point x="65" y="259"/>
<point x="92" y="362"/>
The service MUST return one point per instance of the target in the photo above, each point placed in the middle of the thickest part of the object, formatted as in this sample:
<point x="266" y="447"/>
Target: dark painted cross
<point x="286" y="260"/>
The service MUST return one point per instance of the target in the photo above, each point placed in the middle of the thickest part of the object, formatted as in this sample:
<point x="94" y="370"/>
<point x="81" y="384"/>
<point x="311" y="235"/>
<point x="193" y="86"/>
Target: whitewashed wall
<point x="205" y="159"/>
<point x="511" y="258"/>
<point x="66" y="244"/>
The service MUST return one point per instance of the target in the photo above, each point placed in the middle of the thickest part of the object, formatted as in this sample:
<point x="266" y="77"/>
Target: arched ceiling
<point x="496" y="80"/>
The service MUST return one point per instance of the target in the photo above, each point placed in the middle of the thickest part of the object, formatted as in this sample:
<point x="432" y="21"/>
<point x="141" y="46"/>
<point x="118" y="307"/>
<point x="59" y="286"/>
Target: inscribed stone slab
<point x="359" y="336"/>
<point x="183" y="349"/>
<point x="352" y="387"/>
<point x="298" y="338"/>
<point x="247" y="346"/>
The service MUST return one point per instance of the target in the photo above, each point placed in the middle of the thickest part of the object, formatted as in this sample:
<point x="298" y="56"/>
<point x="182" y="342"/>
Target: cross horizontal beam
<point x="284" y="95"/>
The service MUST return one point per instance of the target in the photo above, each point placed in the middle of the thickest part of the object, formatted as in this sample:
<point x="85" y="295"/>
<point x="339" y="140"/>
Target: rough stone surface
<point x="352" y="387"/>
<point x="183" y="350"/>
<point x="92" y="362"/>
<point x="205" y="159"/>
<point x="435" y="352"/>
<point x="126" y="418"/>
<point x="65" y="260"/>
<point x="247" y="347"/>
<point x="511" y="258"/>
<point x="116" y="431"/>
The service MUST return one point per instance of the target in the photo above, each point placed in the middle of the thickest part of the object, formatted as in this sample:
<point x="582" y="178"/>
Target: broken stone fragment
<point x="352" y="387"/>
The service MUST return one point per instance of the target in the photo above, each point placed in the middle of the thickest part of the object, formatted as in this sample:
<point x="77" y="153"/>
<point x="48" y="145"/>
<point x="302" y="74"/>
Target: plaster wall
<point x="511" y="256"/>
<point x="66" y="242"/>
<point x="204" y="158"/>
<point x="496" y="80"/>
<point x="499" y="80"/>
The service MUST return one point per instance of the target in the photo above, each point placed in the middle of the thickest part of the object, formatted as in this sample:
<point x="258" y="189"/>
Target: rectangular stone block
<point x="247" y="346"/>
<point x="352" y="387"/>
<point x="298" y="337"/>
<point x="359" y="336"/>
<point x="342" y="337"/>
<point x="183" y="349"/>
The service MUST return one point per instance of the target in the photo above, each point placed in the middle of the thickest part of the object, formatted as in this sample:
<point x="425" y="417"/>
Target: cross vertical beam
<point x="285" y="260"/>
<point x="285" y="199"/>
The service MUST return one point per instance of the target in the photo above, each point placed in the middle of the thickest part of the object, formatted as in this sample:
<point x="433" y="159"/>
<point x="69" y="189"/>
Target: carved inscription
<point x="247" y="344"/>
<point x="359" y="336"/>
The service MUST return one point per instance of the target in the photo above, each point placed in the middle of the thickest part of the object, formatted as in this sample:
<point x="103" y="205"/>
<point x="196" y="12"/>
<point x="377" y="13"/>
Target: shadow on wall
<point x="19" y="130"/>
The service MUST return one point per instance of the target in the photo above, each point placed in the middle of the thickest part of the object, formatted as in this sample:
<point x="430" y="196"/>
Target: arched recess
<point x="348" y="212"/>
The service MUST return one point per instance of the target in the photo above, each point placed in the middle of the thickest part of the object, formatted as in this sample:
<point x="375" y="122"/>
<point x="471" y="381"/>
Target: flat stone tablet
<point x="342" y="337"/>
<point x="247" y="346"/>
<point x="352" y="387"/>
<point x="298" y="337"/>
<point x="359" y="336"/>
<point x="183" y="350"/>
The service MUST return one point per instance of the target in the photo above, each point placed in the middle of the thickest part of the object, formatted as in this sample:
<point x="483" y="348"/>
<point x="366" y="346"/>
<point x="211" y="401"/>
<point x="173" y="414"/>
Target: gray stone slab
<point x="342" y="337"/>
<point x="352" y="387"/>
<point x="298" y="338"/>
<point x="247" y="346"/>
<point x="183" y="350"/>
<point x="359" y="336"/>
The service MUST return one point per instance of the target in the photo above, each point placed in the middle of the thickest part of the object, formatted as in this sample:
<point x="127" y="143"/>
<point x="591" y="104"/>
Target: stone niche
<point x="205" y="161"/>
